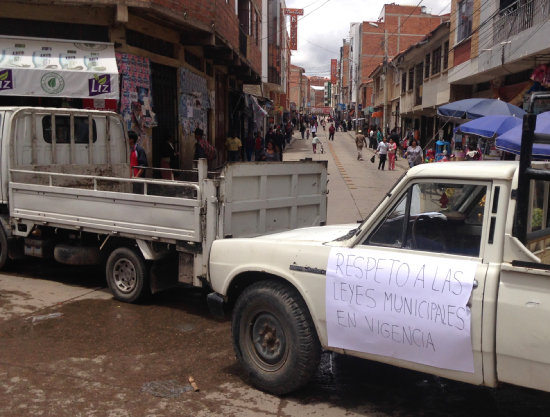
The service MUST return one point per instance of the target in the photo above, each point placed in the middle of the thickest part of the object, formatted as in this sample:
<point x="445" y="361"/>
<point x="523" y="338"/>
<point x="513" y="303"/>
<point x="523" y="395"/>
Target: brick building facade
<point x="197" y="55"/>
<point x="397" y="28"/>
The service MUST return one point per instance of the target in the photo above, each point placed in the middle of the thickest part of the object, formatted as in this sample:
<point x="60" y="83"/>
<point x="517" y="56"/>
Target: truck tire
<point x="127" y="275"/>
<point x="3" y="248"/>
<point x="274" y="337"/>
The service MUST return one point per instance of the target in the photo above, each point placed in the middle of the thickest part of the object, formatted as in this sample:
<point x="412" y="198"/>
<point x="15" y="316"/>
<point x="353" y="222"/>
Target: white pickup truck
<point x="66" y="193"/>
<point x="435" y="280"/>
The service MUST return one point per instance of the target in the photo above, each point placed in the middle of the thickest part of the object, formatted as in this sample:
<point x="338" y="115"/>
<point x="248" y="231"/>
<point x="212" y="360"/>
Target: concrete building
<point x="275" y="60"/>
<point x="317" y="91"/>
<point x="306" y="97"/>
<point x="416" y="84"/>
<point x="499" y="49"/>
<point x="295" y="87"/>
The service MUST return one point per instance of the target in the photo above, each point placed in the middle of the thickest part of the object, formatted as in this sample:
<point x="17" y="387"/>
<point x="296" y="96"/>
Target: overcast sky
<point x="326" y="22"/>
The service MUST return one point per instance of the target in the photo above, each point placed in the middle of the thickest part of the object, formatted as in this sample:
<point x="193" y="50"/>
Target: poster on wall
<point x="194" y="102"/>
<point x="136" y="103"/>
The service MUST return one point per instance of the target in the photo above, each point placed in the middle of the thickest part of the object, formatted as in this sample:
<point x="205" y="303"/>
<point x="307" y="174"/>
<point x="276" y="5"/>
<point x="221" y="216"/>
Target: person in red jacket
<point x="331" y="131"/>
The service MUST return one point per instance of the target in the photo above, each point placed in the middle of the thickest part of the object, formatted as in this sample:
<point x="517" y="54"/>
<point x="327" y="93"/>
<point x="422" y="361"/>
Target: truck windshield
<point x="443" y="217"/>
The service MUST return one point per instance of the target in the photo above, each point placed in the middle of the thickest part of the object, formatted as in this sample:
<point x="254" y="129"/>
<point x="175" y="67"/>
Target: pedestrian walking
<point x="258" y="146"/>
<point x="414" y="154"/>
<point x="404" y="146"/>
<point x="382" y="151"/>
<point x="233" y="145"/>
<point x="379" y="136"/>
<point x="314" y="142"/>
<point x="250" y="143"/>
<point x="395" y="136"/>
<point x="392" y="153"/>
<point x="372" y="140"/>
<point x="302" y="129"/>
<point x="270" y="153"/>
<point x="331" y="131"/>
<point x="360" y="141"/>
<point x="314" y="129"/>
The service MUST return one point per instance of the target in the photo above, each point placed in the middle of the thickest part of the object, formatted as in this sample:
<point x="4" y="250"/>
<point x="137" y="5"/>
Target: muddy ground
<point x="69" y="349"/>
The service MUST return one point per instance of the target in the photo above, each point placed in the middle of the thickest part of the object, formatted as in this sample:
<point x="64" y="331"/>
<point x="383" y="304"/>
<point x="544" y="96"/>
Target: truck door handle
<point x="475" y="284"/>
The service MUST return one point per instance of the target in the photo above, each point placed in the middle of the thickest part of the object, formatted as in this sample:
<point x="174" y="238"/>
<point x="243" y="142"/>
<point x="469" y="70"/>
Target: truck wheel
<point x="127" y="275"/>
<point x="274" y="337"/>
<point x="3" y="248"/>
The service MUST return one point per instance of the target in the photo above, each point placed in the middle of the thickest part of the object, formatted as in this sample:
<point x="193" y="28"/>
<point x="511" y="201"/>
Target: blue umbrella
<point x="510" y="141"/>
<point x="474" y="108"/>
<point x="489" y="126"/>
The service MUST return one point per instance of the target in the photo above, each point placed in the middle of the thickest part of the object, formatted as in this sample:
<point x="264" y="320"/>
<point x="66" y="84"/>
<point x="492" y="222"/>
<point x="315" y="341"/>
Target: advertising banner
<point x="57" y="68"/>
<point x="293" y="13"/>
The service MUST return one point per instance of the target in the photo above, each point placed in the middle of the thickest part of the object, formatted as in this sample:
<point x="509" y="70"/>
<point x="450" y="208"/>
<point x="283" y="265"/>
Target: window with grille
<point x="404" y="82"/>
<point x="446" y="55"/>
<point x="436" y="62"/>
<point x="464" y="24"/>
<point x="427" y="66"/>
<point x="411" y="78"/>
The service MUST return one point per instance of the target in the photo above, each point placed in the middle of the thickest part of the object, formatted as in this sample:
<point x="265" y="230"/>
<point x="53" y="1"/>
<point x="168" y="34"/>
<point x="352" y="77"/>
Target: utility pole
<point x="385" y="72"/>
<point x="356" y="58"/>
<point x="357" y="78"/>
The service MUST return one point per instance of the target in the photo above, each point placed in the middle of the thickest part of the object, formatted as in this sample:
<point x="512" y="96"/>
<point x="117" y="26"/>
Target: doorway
<point x="165" y="86"/>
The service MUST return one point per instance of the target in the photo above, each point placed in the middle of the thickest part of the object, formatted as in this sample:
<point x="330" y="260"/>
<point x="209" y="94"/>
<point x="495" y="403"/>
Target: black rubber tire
<point x="127" y="275"/>
<point x="3" y="248"/>
<point x="290" y="355"/>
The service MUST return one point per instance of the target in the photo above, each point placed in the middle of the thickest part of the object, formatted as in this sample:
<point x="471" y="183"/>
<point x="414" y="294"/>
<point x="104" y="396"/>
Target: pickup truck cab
<point x="433" y="280"/>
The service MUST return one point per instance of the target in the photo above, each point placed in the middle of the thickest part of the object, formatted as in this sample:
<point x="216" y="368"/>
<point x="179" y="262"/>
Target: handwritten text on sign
<point x="408" y="306"/>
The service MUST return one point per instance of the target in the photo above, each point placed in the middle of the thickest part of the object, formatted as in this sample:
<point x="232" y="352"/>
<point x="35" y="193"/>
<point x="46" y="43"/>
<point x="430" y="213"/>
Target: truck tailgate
<point x="267" y="197"/>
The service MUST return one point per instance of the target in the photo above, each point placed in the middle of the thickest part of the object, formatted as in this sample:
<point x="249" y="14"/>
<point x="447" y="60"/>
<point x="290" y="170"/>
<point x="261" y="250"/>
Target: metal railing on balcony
<point x="519" y="16"/>
<point x="242" y="42"/>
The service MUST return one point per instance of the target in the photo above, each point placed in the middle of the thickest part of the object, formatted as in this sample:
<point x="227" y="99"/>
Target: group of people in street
<point x="254" y="148"/>
<point x="389" y="147"/>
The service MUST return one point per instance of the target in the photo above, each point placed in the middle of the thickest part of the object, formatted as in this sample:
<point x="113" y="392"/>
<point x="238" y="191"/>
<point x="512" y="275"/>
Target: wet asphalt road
<point x="68" y="349"/>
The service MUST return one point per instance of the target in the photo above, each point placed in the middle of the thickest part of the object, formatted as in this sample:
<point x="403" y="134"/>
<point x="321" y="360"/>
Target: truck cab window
<point x="63" y="129"/>
<point x="431" y="217"/>
<point x="538" y="224"/>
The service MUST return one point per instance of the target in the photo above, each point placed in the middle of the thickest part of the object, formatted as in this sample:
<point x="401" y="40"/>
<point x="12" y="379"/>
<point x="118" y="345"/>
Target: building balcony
<point x="519" y="16"/>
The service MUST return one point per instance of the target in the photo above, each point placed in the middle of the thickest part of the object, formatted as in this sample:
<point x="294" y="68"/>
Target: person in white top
<point x="382" y="152"/>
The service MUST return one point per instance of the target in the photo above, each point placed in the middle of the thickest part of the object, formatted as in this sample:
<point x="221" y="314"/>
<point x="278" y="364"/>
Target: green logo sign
<point x="52" y="83"/>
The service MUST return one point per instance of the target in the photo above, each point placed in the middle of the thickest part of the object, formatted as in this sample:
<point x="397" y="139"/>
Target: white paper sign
<point x="409" y="307"/>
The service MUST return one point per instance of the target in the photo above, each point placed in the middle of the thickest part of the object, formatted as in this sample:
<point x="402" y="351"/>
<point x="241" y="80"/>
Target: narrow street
<point x="68" y="349"/>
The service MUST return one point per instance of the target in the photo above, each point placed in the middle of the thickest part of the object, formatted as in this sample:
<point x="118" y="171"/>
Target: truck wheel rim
<point x="125" y="276"/>
<point x="268" y="341"/>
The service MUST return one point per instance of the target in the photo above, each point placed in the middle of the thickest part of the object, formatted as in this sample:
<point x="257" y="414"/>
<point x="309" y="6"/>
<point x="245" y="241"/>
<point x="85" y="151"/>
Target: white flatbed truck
<point x="66" y="193"/>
